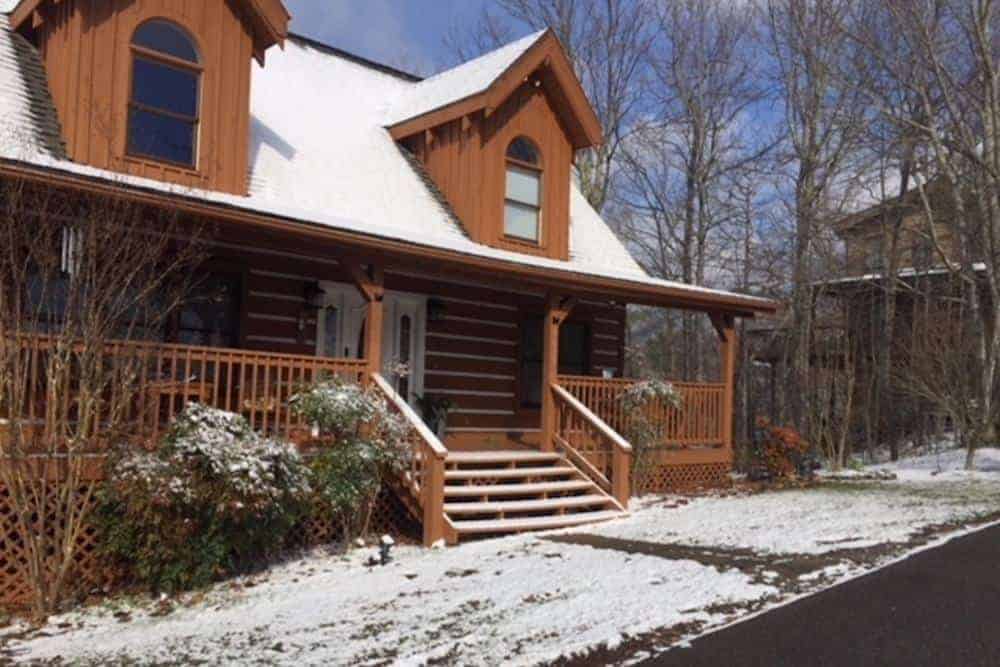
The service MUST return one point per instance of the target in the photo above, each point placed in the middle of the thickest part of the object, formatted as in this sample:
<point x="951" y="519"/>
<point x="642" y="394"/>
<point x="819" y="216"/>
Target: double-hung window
<point x="523" y="200"/>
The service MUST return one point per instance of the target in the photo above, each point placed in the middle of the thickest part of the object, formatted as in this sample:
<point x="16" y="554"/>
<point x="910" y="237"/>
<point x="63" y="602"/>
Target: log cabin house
<point x="367" y="216"/>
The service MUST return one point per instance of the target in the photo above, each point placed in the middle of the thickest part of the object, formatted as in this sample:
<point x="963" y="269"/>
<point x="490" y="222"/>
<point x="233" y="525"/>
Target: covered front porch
<point x="534" y="434"/>
<point x="526" y="365"/>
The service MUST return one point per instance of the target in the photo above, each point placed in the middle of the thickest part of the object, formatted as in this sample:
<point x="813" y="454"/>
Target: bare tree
<point x="935" y="365"/>
<point x="606" y="40"/>
<point x="77" y="272"/>
<point x="946" y="63"/>
<point x="824" y="122"/>
<point x="696" y="135"/>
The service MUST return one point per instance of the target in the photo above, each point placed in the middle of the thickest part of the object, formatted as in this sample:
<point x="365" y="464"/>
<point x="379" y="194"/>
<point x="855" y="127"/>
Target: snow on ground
<point x="946" y="464"/>
<point x="515" y="600"/>
<point x="526" y="599"/>
<point x="815" y="520"/>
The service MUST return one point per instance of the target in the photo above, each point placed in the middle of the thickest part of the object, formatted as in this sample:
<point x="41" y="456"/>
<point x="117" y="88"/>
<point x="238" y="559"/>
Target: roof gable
<point x="269" y="20"/>
<point x="483" y="84"/>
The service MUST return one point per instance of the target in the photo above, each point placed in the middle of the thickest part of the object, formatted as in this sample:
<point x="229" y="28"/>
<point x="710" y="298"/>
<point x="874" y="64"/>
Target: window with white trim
<point x="523" y="199"/>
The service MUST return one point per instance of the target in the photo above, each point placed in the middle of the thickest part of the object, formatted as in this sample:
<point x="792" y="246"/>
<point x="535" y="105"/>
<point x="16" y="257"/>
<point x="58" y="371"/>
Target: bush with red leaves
<point x="778" y="451"/>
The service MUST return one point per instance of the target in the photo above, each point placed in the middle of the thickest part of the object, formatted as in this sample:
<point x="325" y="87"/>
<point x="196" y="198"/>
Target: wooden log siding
<point x="481" y="322"/>
<point x="166" y="377"/>
<point x="699" y="422"/>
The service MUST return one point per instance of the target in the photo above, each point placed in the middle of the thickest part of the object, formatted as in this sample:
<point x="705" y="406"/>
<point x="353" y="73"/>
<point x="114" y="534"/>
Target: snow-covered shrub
<point x="214" y="498"/>
<point x="650" y="392"/>
<point x="364" y="442"/>
<point x="645" y="428"/>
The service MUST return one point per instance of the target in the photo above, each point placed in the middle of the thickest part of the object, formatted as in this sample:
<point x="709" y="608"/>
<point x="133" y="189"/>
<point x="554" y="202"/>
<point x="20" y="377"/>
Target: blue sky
<point x="403" y="33"/>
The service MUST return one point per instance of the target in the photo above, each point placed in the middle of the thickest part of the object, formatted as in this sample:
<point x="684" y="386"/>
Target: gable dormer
<point x="155" y="88"/>
<point x="498" y="136"/>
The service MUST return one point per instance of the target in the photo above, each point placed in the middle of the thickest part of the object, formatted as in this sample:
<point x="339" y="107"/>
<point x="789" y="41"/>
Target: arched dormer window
<point x="523" y="199"/>
<point x="164" y="102"/>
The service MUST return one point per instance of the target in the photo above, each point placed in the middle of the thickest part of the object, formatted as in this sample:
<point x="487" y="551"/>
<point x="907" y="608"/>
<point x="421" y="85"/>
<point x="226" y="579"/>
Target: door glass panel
<point x="331" y="321"/>
<point x="405" y="331"/>
<point x="361" y="341"/>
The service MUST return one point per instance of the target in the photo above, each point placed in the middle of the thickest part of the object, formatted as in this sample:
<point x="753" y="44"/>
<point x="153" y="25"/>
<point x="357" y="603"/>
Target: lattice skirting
<point x="685" y="477"/>
<point x="14" y="588"/>
<point x="390" y="516"/>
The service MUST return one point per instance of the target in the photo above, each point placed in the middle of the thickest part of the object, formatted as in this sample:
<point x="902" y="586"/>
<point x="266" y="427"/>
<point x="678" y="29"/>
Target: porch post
<point x="725" y="326"/>
<point x="557" y="309"/>
<point x="370" y="283"/>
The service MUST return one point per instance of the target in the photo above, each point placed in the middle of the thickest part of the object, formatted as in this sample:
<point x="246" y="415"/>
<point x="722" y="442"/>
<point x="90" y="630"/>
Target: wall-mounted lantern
<point x="436" y="310"/>
<point x="311" y="295"/>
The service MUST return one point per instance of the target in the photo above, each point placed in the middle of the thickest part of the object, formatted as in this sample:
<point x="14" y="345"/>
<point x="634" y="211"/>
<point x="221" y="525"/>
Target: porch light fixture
<point x="311" y="294"/>
<point x="436" y="310"/>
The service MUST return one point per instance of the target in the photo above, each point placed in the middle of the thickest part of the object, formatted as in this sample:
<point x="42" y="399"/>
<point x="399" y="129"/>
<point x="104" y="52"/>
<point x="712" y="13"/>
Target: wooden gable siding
<point x="466" y="158"/>
<point x="864" y="242"/>
<point x="472" y="352"/>
<point x="85" y="45"/>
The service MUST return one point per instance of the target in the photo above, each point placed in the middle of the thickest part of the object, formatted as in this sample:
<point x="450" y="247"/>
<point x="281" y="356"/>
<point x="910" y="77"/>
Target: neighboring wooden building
<point x="363" y="216"/>
<point x="851" y="309"/>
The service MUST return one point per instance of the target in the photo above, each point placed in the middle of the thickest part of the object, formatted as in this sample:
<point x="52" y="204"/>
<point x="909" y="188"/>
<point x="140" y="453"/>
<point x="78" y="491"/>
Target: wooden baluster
<point x="254" y="367"/>
<point x="266" y="398"/>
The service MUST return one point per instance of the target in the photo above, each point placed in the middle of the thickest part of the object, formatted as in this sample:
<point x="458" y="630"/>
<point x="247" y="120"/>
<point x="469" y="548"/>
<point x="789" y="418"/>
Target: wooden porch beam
<point x="725" y="327"/>
<point x="557" y="310"/>
<point x="371" y="284"/>
<point x="723" y="323"/>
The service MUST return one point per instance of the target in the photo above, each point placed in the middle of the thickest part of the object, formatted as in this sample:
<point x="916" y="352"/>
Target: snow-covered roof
<point x="458" y="83"/>
<point x="902" y="273"/>
<point x="320" y="154"/>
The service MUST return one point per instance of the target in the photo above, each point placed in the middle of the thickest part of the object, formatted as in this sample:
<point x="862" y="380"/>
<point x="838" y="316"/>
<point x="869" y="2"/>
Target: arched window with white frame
<point x="523" y="198"/>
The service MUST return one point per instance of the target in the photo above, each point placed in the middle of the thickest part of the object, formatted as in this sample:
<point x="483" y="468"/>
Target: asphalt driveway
<point x="940" y="607"/>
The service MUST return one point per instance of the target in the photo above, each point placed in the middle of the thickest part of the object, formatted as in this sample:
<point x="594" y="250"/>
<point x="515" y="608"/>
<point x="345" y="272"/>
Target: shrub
<point x="644" y="429"/>
<point x="214" y="498"/>
<point x="777" y="451"/>
<point x="365" y="444"/>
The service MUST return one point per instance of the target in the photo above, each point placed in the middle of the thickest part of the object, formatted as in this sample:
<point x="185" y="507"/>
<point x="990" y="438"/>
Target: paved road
<point x="940" y="607"/>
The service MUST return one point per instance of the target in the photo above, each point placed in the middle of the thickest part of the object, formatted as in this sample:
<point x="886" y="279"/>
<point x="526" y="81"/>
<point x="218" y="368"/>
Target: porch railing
<point x="162" y="378"/>
<point x="698" y="423"/>
<point x="592" y="446"/>
<point x="424" y="476"/>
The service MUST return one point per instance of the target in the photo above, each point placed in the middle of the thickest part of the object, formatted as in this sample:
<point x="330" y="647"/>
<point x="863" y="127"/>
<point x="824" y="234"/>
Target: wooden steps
<point x="510" y="473"/>
<point x="503" y="492"/>
<point x="533" y="523"/>
<point x="489" y="490"/>
<point x="513" y="506"/>
<point x="508" y="457"/>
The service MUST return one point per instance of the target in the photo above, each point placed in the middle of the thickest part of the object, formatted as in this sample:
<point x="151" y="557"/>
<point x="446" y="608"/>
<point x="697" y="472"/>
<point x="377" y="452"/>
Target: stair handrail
<point x="621" y="459"/>
<point x="426" y="475"/>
